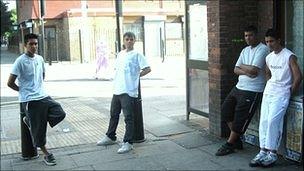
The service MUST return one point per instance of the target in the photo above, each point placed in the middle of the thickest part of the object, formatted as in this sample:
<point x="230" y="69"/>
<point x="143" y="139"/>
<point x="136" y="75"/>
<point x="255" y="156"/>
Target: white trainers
<point x="269" y="160"/>
<point x="105" y="141"/>
<point x="256" y="161"/>
<point x="126" y="147"/>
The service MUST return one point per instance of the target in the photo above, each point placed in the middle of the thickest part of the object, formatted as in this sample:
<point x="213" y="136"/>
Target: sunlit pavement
<point x="171" y="142"/>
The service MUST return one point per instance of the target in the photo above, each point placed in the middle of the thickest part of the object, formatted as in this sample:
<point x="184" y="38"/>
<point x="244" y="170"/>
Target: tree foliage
<point x="6" y="22"/>
<point x="13" y="16"/>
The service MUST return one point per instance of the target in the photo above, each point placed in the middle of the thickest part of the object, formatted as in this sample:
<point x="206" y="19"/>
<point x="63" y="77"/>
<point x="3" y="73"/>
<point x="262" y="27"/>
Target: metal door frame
<point x="191" y="63"/>
<point x="56" y="44"/>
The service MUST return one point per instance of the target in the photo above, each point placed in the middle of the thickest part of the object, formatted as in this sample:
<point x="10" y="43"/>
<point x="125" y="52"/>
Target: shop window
<point x="174" y="31"/>
<point x="198" y="40"/>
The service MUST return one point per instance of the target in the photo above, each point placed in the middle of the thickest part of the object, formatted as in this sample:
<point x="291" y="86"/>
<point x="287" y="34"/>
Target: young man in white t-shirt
<point x="129" y="66"/>
<point x="240" y="104"/>
<point x="39" y="108"/>
<point x="284" y="77"/>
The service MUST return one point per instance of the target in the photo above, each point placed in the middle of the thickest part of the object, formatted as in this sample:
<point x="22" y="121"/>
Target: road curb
<point x="17" y="102"/>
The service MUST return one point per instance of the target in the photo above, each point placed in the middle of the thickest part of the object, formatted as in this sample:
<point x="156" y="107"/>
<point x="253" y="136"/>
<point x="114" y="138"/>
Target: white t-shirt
<point x="29" y="72"/>
<point x="127" y="70"/>
<point x="281" y="78"/>
<point x="255" y="57"/>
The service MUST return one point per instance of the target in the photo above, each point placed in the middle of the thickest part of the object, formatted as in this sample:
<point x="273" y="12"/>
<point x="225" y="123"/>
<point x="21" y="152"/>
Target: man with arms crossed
<point x="242" y="101"/>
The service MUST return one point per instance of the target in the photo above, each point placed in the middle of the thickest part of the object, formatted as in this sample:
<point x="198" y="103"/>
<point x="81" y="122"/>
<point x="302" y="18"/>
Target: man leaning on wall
<point x="240" y="104"/>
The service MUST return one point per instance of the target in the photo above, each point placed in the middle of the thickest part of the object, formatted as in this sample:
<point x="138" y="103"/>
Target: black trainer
<point x="30" y="158"/>
<point x="49" y="160"/>
<point x="225" y="149"/>
<point x="238" y="144"/>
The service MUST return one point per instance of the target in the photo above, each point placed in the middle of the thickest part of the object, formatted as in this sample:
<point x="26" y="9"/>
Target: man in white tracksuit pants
<point x="284" y="77"/>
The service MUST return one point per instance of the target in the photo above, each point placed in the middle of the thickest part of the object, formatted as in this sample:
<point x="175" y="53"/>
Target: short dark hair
<point x="30" y="36"/>
<point x="129" y="34"/>
<point x="272" y="33"/>
<point x="251" y="28"/>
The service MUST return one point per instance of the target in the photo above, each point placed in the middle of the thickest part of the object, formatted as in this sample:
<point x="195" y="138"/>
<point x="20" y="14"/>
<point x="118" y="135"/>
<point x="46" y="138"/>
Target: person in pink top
<point x="101" y="59"/>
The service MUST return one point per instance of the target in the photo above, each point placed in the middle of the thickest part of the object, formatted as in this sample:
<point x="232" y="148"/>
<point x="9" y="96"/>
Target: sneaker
<point x="126" y="147"/>
<point x="105" y="141"/>
<point x="26" y="122"/>
<point x="269" y="160"/>
<point x="30" y="158"/>
<point x="49" y="160"/>
<point x="238" y="144"/>
<point x="225" y="149"/>
<point x="256" y="161"/>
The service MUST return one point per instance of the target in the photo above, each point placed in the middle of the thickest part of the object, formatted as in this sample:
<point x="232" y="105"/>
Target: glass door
<point x="197" y="83"/>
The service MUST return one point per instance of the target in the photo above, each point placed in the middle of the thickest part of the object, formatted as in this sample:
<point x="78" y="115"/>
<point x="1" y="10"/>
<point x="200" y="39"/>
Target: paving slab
<point x="63" y="163"/>
<point x="100" y="156"/>
<point x="192" y="140"/>
<point x="160" y="125"/>
<point x="82" y="125"/>
<point x="241" y="158"/>
<point x="188" y="160"/>
<point x="6" y="164"/>
<point x="145" y="163"/>
<point x="89" y="167"/>
<point x="78" y="149"/>
<point x="157" y="148"/>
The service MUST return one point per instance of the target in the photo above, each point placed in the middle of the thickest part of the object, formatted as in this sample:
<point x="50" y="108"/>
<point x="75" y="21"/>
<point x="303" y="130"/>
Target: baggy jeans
<point x="39" y="112"/>
<point x="125" y="103"/>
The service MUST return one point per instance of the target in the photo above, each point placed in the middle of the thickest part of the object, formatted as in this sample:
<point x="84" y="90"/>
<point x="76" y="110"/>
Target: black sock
<point x="229" y="144"/>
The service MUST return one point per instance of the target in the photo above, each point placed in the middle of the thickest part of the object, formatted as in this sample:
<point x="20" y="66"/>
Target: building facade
<point x="73" y="28"/>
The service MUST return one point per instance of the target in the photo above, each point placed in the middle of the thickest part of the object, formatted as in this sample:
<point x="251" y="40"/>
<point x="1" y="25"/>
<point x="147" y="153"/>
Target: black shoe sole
<point x="30" y="158"/>
<point x="254" y="164"/>
<point x="224" y="154"/>
<point x="49" y="163"/>
<point x="239" y="148"/>
<point x="238" y="145"/>
<point x="266" y="166"/>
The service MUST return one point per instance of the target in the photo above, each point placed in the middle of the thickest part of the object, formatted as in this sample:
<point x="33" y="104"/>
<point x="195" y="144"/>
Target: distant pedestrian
<point x="102" y="58"/>
<point x="38" y="106"/>
<point x="130" y="65"/>
<point x="241" y="103"/>
<point x="284" y="77"/>
<point x="4" y="42"/>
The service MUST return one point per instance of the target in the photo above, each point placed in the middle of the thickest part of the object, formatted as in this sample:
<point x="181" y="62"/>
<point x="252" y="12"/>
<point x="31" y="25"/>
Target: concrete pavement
<point x="172" y="143"/>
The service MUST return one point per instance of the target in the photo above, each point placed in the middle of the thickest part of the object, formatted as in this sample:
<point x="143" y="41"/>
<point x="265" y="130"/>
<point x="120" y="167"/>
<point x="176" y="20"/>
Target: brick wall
<point x="226" y="22"/>
<point x="265" y="17"/>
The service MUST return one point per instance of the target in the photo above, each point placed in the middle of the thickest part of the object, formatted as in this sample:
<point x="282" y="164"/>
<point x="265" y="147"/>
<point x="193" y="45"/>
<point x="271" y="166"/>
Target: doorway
<point x="154" y="38"/>
<point x="51" y="45"/>
<point x="197" y="82"/>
